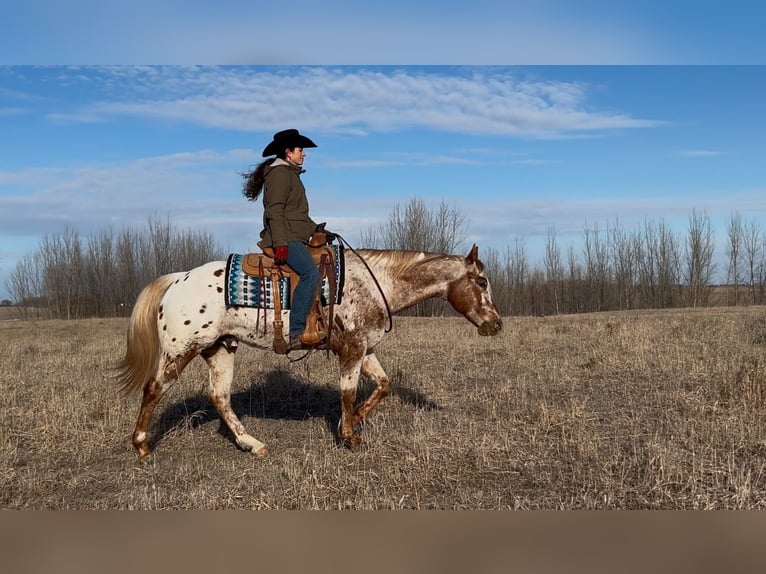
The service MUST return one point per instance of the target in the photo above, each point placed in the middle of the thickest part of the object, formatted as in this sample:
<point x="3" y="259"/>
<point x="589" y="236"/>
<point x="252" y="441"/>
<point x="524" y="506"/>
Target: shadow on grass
<point x="282" y="395"/>
<point x="400" y="388"/>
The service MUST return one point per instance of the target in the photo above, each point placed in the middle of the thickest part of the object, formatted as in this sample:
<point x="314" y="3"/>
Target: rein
<point x="380" y="290"/>
<point x="375" y="280"/>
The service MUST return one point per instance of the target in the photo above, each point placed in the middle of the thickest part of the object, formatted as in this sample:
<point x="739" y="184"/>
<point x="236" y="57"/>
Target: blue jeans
<point x="300" y="260"/>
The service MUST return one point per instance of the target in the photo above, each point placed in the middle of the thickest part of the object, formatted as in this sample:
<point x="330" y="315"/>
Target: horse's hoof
<point x="143" y="452"/>
<point x="353" y="442"/>
<point x="249" y="443"/>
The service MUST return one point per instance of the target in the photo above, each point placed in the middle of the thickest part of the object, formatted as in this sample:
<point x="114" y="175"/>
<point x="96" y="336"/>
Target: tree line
<point x="71" y="276"/>
<point x="615" y="268"/>
<point x="651" y="266"/>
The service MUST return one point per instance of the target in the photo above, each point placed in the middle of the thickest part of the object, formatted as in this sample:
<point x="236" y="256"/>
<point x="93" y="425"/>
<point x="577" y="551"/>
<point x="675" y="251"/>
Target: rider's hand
<point x="280" y="254"/>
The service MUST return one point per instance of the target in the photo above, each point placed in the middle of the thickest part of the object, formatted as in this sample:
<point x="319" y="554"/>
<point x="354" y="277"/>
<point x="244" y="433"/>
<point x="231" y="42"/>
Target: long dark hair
<point x="253" y="184"/>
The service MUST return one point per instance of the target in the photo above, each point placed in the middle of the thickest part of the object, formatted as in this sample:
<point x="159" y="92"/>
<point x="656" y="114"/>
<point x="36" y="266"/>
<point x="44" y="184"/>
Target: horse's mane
<point x="401" y="262"/>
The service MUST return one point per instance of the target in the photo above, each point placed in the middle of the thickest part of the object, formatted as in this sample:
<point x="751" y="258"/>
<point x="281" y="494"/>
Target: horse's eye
<point x="481" y="282"/>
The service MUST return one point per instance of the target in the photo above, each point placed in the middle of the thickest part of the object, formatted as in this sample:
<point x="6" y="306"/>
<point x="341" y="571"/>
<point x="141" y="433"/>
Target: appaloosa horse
<point x="182" y="315"/>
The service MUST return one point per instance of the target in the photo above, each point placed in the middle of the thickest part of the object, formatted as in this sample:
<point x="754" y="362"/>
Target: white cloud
<point x="700" y="153"/>
<point x="8" y="112"/>
<point x="350" y="101"/>
<point x="40" y="200"/>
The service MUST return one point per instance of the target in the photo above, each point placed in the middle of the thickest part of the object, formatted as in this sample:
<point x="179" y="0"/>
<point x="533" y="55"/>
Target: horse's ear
<point x="473" y="255"/>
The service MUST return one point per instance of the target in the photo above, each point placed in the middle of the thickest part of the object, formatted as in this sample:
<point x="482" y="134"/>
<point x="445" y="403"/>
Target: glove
<point x="280" y="254"/>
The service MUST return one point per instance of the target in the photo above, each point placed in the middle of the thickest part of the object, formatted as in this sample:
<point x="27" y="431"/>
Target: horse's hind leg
<point x="168" y="371"/>
<point x="220" y="360"/>
<point x="153" y="392"/>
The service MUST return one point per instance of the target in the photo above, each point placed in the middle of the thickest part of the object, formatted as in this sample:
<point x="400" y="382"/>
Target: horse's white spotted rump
<point x="182" y="315"/>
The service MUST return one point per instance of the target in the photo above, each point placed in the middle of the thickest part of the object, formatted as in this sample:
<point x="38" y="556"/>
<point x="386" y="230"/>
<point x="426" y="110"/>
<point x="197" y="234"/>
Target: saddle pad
<point x="243" y="290"/>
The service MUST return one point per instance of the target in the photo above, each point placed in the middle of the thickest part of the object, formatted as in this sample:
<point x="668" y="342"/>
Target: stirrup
<point x="297" y="343"/>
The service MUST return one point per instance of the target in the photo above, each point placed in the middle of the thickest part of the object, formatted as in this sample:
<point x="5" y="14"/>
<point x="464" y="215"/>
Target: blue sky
<point x="390" y="32"/>
<point x="513" y="124"/>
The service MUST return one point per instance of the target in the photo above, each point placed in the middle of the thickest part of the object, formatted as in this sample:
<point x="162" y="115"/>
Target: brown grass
<point x="652" y="410"/>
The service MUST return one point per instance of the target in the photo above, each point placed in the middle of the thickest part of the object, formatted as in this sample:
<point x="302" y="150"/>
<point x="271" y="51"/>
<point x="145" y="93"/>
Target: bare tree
<point x="99" y="275"/>
<point x="105" y="277"/>
<point x="658" y="265"/>
<point x="415" y="227"/>
<point x="596" y="254"/>
<point x="624" y="257"/>
<point x="25" y="286"/>
<point x="518" y="269"/>
<point x="450" y="228"/>
<point x="128" y="273"/>
<point x="369" y="238"/>
<point x="62" y="272"/>
<point x="553" y="270"/>
<point x="698" y="263"/>
<point x="509" y="273"/>
<point x="754" y="246"/>
<point x="498" y="277"/>
<point x="669" y="267"/>
<point x="734" y="234"/>
<point x="576" y="286"/>
<point x="648" y="265"/>
<point x="408" y="227"/>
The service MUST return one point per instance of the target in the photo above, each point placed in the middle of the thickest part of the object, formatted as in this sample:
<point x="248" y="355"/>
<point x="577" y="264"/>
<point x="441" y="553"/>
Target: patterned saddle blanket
<point x="245" y="290"/>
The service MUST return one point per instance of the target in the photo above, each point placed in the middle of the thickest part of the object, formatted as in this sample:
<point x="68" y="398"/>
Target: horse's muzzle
<point x="491" y="327"/>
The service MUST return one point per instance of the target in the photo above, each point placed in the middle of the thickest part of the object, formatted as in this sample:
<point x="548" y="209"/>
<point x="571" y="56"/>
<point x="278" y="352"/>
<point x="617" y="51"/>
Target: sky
<point x="568" y="116"/>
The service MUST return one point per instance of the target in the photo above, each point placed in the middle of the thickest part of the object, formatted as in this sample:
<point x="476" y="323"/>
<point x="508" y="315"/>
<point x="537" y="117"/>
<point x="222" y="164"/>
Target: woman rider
<point x="287" y="225"/>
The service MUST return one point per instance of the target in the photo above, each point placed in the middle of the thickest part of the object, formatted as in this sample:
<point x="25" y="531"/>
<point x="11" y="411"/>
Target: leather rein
<point x="375" y="280"/>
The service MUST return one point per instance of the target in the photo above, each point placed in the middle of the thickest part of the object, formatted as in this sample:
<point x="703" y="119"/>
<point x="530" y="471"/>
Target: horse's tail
<point x="142" y="356"/>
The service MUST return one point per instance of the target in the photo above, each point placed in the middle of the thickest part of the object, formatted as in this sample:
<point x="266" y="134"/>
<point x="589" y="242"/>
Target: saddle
<point x="320" y="319"/>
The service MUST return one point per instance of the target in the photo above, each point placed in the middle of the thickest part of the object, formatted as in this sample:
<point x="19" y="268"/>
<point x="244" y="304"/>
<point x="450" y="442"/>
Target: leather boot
<point x="303" y="342"/>
<point x="314" y="332"/>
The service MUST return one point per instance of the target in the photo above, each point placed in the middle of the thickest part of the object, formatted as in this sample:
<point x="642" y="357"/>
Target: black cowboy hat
<point x="286" y="139"/>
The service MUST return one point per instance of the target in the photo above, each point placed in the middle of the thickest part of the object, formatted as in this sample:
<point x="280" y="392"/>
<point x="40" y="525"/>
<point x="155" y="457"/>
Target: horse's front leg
<point x="220" y="360"/>
<point x="351" y="359"/>
<point x="371" y="368"/>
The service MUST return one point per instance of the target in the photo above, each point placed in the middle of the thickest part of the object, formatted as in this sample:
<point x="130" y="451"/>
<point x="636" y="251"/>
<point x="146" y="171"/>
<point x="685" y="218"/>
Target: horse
<point x="181" y="315"/>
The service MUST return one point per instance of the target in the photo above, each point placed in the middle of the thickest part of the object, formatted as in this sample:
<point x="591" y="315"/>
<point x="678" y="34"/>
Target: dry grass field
<point x="633" y="410"/>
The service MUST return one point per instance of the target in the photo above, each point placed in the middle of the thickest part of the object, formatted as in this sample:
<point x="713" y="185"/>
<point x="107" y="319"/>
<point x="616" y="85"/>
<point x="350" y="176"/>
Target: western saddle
<point x="320" y="319"/>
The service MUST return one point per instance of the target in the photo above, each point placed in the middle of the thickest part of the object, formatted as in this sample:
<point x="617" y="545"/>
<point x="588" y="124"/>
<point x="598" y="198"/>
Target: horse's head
<point x="471" y="295"/>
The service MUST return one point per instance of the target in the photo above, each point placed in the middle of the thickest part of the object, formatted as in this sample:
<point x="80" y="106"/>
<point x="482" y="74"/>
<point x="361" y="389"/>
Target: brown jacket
<point x="285" y="206"/>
